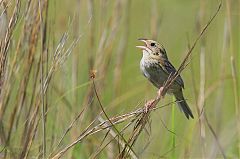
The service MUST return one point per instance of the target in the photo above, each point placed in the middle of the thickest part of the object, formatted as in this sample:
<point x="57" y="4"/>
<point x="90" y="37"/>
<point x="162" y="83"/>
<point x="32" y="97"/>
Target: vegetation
<point x="70" y="85"/>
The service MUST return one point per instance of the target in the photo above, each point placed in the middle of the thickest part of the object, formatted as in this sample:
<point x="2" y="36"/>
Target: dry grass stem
<point x="51" y="108"/>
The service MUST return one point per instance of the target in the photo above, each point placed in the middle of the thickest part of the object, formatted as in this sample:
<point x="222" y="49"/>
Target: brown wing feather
<point x="169" y="69"/>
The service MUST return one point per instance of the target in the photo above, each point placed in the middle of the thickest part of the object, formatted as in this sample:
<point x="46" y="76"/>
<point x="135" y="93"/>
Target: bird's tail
<point x="183" y="104"/>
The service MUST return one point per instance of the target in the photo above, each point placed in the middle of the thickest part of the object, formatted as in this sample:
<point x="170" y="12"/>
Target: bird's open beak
<point x="143" y="47"/>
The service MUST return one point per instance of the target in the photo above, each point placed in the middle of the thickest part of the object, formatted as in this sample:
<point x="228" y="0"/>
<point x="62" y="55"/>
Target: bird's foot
<point x="149" y="105"/>
<point x="160" y="92"/>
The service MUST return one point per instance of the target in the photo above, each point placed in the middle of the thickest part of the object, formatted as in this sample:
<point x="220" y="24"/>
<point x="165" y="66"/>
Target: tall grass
<point x="70" y="85"/>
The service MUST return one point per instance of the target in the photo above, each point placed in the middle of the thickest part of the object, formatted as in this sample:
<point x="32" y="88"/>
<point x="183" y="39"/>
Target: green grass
<point x="173" y="137"/>
<point x="108" y="33"/>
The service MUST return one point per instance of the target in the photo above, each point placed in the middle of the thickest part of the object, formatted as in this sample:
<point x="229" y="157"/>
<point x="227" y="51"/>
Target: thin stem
<point x="42" y="85"/>
<point x="173" y="136"/>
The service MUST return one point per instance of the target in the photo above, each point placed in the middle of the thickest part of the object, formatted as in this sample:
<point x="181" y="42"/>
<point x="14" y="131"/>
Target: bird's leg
<point x="149" y="105"/>
<point x="160" y="92"/>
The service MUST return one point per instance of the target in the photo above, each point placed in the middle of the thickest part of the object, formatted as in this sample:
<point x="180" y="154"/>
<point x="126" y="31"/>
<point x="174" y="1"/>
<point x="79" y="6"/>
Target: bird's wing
<point x="169" y="69"/>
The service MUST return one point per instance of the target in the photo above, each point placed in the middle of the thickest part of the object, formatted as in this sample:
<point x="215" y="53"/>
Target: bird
<point x="156" y="67"/>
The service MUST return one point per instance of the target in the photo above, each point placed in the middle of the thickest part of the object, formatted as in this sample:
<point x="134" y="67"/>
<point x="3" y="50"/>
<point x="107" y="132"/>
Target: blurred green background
<point x="109" y="31"/>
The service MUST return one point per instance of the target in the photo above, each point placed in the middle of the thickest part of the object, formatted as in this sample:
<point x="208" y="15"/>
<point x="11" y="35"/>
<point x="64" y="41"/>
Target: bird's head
<point x="153" y="49"/>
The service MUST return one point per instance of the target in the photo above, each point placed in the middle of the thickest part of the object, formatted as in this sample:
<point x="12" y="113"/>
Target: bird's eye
<point x="152" y="44"/>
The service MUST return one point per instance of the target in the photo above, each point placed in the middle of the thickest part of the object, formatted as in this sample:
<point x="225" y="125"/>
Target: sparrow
<point x="156" y="67"/>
